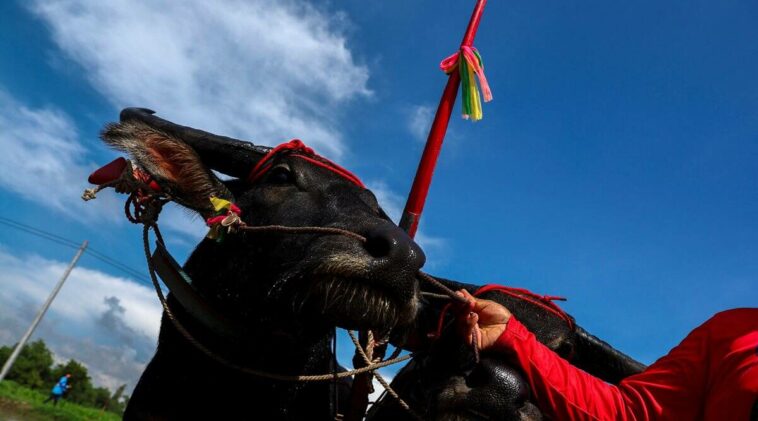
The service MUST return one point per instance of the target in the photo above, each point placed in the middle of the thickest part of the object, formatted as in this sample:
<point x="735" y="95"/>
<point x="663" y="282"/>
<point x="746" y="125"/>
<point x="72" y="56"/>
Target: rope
<point x="458" y="300"/>
<point x="435" y="295"/>
<point x="442" y="287"/>
<point x="302" y="230"/>
<point x="381" y="379"/>
<point x="546" y="302"/>
<point x="298" y="149"/>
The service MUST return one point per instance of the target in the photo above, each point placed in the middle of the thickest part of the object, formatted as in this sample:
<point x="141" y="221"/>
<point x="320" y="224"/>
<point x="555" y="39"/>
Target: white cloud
<point x="88" y="320"/>
<point x="260" y="70"/>
<point x="420" y="120"/>
<point x="81" y="300"/>
<point x="43" y="161"/>
<point x="263" y="70"/>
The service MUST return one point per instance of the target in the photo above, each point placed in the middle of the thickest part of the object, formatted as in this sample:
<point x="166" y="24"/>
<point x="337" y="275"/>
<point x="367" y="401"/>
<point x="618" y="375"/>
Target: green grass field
<point x="18" y="403"/>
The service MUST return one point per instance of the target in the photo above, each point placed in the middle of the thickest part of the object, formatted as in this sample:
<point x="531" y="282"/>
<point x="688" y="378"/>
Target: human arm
<point x="672" y="388"/>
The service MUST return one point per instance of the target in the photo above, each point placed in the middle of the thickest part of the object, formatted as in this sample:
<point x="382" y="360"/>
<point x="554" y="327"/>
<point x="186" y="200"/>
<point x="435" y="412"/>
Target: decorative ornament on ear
<point x="227" y="218"/>
<point x="146" y="197"/>
<point x="122" y="176"/>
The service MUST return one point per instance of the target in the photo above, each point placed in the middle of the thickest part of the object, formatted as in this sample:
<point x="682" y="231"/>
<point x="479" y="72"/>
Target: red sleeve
<point x="670" y="389"/>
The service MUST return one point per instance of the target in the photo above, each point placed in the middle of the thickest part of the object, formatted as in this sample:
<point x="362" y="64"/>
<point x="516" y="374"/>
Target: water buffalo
<point x="288" y="292"/>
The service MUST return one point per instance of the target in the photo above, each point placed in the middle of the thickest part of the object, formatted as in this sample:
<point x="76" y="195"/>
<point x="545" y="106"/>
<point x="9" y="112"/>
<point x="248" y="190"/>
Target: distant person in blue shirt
<point x="58" y="390"/>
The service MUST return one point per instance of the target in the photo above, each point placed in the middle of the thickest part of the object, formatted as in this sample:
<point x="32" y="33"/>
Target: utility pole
<point x="41" y="313"/>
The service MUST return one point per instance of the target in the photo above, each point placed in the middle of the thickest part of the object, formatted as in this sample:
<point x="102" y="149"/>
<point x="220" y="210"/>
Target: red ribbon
<point x="298" y="149"/>
<point x="543" y="301"/>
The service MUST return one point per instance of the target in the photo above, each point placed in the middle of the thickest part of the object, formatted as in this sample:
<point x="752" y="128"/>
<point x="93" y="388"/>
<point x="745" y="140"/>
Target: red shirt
<point x="712" y="375"/>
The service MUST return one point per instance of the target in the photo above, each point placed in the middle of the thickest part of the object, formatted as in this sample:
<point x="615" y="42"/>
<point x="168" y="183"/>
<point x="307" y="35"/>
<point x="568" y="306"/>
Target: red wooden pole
<point x="420" y="188"/>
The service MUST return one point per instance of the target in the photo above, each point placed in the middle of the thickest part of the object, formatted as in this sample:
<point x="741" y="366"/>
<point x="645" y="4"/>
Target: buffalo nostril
<point x="378" y="245"/>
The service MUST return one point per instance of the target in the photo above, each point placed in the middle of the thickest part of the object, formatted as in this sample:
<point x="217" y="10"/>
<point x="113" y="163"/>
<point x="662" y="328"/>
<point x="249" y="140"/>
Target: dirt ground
<point x="16" y="411"/>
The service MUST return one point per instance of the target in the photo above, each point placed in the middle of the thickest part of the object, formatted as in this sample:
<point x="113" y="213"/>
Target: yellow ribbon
<point x="220" y="204"/>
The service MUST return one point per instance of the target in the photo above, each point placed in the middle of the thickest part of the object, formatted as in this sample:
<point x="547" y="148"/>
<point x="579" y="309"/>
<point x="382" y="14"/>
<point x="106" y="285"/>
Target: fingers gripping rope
<point x="546" y="302"/>
<point x="458" y="300"/>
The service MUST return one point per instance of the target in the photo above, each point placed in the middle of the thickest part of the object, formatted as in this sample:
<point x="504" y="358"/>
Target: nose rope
<point x="461" y="304"/>
<point x="238" y="224"/>
<point x="546" y="302"/>
<point x="231" y="221"/>
<point x="218" y="358"/>
<point x="286" y="229"/>
<point x="460" y="301"/>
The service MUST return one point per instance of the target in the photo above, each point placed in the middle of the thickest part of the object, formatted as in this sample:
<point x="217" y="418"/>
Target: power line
<point x="39" y="233"/>
<point x="72" y="244"/>
<point x="118" y="265"/>
<point x="8" y="221"/>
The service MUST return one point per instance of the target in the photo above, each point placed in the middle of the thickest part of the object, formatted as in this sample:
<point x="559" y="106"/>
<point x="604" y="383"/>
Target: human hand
<point x="486" y="317"/>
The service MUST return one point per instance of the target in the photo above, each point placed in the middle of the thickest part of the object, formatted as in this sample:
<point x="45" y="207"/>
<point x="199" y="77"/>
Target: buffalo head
<point x="273" y="279"/>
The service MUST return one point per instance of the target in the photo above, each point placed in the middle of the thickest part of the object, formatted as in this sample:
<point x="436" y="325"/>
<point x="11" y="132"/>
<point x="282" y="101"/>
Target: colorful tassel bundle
<point x="469" y="67"/>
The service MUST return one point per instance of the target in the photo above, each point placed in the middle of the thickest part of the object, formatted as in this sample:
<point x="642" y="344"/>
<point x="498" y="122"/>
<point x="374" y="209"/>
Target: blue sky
<point x="617" y="165"/>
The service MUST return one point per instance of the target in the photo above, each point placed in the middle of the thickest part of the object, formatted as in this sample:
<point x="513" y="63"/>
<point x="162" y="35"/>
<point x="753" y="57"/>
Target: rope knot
<point x="297" y="145"/>
<point x="470" y="68"/>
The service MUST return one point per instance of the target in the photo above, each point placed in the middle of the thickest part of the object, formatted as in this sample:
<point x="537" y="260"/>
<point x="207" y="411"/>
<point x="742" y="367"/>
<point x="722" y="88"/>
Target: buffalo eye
<point x="280" y="175"/>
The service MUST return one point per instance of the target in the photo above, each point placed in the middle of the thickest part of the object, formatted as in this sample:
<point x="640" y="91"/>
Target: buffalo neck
<point x="179" y="364"/>
<point x="275" y="341"/>
<point x="181" y="381"/>
<point x="272" y="332"/>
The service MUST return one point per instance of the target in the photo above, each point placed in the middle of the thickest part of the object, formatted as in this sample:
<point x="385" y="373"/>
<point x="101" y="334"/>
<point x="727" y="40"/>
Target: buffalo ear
<point x="175" y="165"/>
